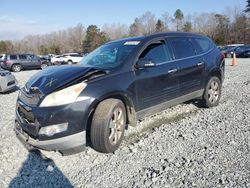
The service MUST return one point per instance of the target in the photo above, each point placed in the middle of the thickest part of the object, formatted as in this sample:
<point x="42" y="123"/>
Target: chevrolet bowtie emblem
<point x="49" y="84"/>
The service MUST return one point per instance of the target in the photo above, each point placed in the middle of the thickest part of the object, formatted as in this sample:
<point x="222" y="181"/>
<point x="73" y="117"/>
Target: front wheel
<point x="212" y="92"/>
<point x="108" y="125"/>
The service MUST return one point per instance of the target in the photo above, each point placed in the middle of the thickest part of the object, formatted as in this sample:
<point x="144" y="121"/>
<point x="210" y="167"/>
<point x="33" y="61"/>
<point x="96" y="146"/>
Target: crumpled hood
<point x="52" y="78"/>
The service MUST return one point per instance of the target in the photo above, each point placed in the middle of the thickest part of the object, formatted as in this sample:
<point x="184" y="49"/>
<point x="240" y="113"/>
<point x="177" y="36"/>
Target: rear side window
<point x="204" y="44"/>
<point x="182" y="47"/>
<point x="23" y="57"/>
<point x="157" y="52"/>
<point x="13" y="57"/>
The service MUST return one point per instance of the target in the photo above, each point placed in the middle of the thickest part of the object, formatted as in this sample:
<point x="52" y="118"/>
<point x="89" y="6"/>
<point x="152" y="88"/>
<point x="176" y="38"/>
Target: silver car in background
<point x="7" y="81"/>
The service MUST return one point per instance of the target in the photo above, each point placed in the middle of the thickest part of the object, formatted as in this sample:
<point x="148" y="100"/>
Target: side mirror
<point x="144" y="63"/>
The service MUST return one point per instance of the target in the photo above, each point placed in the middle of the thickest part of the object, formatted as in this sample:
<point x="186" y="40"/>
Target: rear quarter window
<point x="204" y="44"/>
<point x="13" y="57"/>
<point x="22" y="57"/>
<point x="182" y="47"/>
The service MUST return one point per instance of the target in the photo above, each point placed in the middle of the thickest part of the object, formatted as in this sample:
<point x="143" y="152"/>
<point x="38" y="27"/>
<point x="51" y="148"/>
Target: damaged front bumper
<point x="66" y="145"/>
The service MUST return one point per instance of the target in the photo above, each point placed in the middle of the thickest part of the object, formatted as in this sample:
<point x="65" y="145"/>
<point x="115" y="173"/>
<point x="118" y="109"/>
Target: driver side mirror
<point x="144" y="63"/>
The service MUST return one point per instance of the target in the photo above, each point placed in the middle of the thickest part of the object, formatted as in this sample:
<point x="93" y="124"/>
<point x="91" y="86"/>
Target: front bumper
<point x="7" y="83"/>
<point x="66" y="145"/>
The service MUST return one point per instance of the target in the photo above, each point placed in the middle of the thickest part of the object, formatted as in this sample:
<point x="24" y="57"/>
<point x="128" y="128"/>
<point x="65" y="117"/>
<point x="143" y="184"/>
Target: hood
<point x="4" y="72"/>
<point x="55" y="77"/>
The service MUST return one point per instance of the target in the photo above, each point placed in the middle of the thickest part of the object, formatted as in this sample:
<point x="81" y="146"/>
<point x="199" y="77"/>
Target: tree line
<point x="232" y="26"/>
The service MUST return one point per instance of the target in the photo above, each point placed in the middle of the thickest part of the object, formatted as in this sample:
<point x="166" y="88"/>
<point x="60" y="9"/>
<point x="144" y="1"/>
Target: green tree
<point x="248" y="6"/>
<point x="159" y="26"/>
<point x="3" y="47"/>
<point x="94" y="38"/>
<point x="187" y="27"/>
<point x="135" y="28"/>
<point x="178" y="19"/>
<point x="221" y="29"/>
<point x="43" y="50"/>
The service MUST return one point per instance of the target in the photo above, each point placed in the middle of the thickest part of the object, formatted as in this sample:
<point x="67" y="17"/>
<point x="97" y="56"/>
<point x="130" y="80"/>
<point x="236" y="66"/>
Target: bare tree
<point x="167" y="18"/>
<point x="148" y="22"/>
<point x="115" y="30"/>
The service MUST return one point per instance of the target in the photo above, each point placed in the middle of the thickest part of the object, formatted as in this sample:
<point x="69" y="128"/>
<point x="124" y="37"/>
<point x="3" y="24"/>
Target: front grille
<point x="28" y="117"/>
<point x="28" y="121"/>
<point x="29" y="99"/>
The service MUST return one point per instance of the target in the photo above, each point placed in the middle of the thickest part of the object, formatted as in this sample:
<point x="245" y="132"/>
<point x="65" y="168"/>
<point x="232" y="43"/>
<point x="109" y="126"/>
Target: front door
<point x="159" y="83"/>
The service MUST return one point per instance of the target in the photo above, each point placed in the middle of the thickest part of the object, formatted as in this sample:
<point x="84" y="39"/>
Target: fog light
<point x="53" y="129"/>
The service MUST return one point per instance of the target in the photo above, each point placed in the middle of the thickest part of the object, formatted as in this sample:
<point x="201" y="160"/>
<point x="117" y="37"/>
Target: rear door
<point x="191" y="65"/>
<point x="23" y="58"/>
<point x="157" y="84"/>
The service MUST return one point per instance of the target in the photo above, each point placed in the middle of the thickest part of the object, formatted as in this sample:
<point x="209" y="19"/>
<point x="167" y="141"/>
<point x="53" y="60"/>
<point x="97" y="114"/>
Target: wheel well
<point x="15" y="64"/>
<point x="130" y="111"/>
<point x="216" y="74"/>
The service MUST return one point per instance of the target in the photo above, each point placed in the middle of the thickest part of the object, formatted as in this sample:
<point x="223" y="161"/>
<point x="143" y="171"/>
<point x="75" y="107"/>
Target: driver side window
<point x="157" y="52"/>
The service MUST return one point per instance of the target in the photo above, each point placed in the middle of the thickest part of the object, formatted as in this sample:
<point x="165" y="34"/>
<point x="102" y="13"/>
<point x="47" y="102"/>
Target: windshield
<point x="109" y="55"/>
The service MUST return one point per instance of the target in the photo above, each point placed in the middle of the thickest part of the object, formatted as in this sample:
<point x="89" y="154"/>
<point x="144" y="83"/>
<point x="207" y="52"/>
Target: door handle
<point x="200" y="64"/>
<point x="172" y="71"/>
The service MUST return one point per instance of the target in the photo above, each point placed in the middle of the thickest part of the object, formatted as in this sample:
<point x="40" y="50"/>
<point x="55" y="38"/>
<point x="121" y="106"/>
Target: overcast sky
<point x="22" y="17"/>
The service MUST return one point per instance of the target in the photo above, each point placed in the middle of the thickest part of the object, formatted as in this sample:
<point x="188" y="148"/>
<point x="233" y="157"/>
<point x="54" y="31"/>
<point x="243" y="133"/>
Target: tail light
<point x="222" y="55"/>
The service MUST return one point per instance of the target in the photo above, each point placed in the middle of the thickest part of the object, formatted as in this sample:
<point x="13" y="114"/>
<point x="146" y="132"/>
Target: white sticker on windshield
<point x="132" y="43"/>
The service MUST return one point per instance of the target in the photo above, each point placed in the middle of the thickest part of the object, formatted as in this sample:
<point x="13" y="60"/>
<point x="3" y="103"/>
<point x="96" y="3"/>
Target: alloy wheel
<point x="213" y="92"/>
<point x="116" y="126"/>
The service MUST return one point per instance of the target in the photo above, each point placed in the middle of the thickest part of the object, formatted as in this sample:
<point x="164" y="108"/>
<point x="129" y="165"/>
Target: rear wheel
<point x="212" y="92"/>
<point x="108" y="125"/>
<point x="70" y="62"/>
<point x="16" y="68"/>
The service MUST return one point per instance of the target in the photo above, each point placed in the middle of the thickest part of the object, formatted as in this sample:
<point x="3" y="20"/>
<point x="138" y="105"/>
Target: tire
<point x="16" y="68"/>
<point x="212" y="93"/>
<point x="70" y="62"/>
<point x="108" y="125"/>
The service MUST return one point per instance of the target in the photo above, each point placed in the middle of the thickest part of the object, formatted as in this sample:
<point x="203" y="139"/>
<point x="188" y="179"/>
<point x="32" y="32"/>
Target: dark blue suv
<point x="114" y="86"/>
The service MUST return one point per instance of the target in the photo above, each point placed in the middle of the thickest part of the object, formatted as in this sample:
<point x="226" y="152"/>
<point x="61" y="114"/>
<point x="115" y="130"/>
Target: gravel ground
<point x="184" y="146"/>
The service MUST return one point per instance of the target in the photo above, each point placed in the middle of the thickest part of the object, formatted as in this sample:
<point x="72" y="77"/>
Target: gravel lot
<point x="184" y="146"/>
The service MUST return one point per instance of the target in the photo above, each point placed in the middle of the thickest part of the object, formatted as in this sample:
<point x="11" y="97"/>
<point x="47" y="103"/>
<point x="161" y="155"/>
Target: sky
<point x="19" y="18"/>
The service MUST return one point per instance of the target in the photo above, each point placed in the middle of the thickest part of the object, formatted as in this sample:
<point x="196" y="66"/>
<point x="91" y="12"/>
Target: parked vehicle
<point x="229" y="49"/>
<point x="57" y="60"/>
<point x="72" y="58"/>
<point x="45" y="60"/>
<point x="7" y="81"/>
<point x="18" y="62"/>
<point x="241" y="51"/>
<point x="244" y="54"/>
<point x="112" y="87"/>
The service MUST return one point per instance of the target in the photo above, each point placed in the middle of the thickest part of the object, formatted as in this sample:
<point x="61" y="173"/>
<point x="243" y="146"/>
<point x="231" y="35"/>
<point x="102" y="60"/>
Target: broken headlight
<point x="64" y="96"/>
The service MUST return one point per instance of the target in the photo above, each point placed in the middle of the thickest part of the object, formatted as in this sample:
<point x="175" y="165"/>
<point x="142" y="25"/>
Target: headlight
<point x="64" y="96"/>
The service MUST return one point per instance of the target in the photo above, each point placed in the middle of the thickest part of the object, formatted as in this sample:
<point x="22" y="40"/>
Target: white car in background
<point x="7" y="81"/>
<point x="72" y="58"/>
<point x="58" y="59"/>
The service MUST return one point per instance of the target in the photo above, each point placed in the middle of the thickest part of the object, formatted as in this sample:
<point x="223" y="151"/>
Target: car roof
<point x="156" y="35"/>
